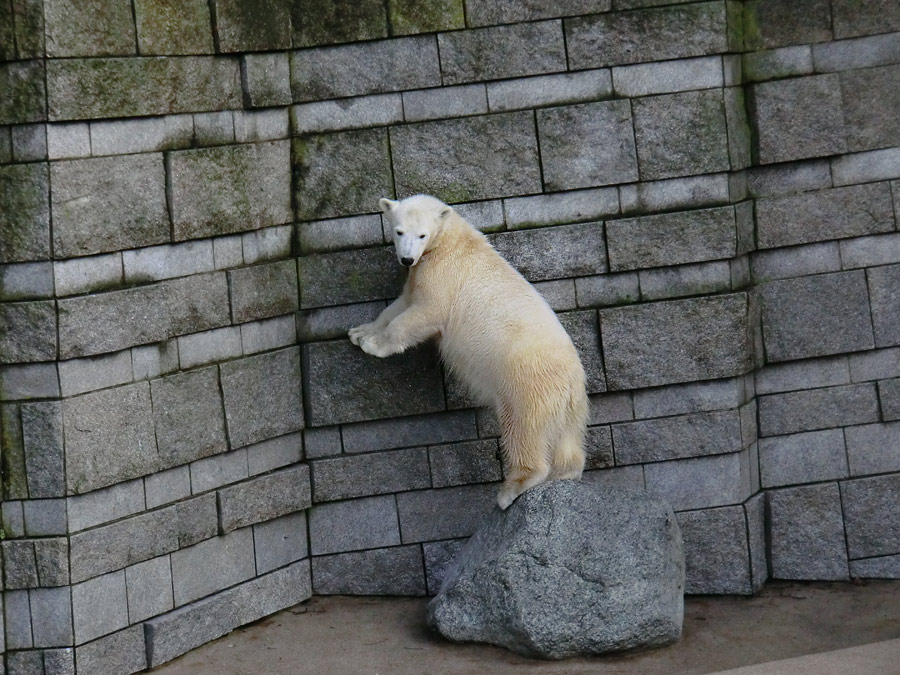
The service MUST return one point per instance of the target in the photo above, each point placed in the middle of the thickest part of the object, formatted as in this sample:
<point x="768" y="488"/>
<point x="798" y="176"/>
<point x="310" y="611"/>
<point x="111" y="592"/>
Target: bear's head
<point x="416" y="224"/>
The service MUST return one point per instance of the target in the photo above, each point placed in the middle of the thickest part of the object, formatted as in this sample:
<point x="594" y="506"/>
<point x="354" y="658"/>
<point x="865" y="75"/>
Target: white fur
<point x="496" y="334"/>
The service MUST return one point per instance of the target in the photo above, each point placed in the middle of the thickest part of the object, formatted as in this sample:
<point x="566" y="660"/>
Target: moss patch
<point x="408" y="17"/>
<point x="321" y="23"/>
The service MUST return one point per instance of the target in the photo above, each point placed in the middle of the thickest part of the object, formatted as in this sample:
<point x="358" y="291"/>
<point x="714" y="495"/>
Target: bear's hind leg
<point x="568" y="457"/>
<point x="525" y="458"/>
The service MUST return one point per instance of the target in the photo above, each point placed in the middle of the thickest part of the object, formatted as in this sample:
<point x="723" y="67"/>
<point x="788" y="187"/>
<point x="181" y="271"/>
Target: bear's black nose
<point x="406" y="261"/>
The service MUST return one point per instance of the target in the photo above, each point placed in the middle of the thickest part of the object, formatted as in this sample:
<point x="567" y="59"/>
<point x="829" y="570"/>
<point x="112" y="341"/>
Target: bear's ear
<point x="445" y="212"/>
<point x="387" y="205"/>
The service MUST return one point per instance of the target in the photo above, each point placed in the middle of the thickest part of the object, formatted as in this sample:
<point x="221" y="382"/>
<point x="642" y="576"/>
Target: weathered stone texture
<point x="675" y="341"/>
<point x="770" y="23"/>
<point x="116" y="87"/>
<point x="387" y="571"/>
<point x="166" y="27"/>
<point x="252" y="25"/>
<point x="864" y="17"/>
<point x="681" y="134"/>
<point x="340" y="174"/>
<point x="825" y="214"/>
<point x="576" y="250"/>
<point x="448" y="513"/>
<point x="262" y="396"/>
<point x="263" y="290"/>
<point x="409" y="431"/>
<point x="809" y="457"/>
<point x="677" y="437"/>
<point x="212" y="565"/>
<point x="354" y="524"/>
<point x="224" y="190"/>
<point x="367" y="68"/>
<point x="465" y="463"/>
<point x="654" y="34"/>
<point x="502" y="52"/>
<point x="487" y="12"/>
<point x="584" y="330"/>
<point x="27" y="331"/>
<point x="797" y="118"/>
<point x="92" y="28"/>
<point x="264" y="498"/>
<point x="671" y="239"/>
<point x="320" y="23"/>
<point x="437" y="157"/>
<point x="370" y="474"/>
<point x="351" y="276"/>
<point x="884" y="294"/>
<point x="414" y="16"/>
<point x="24" y="212"/>
<point x="816" y="316"/>
<point x="871" y="96"/>
<point x="587" y="144"/>
<point x="817" y="409"/>
<point x="24" y="93"/>
<point x="716" y="551"/>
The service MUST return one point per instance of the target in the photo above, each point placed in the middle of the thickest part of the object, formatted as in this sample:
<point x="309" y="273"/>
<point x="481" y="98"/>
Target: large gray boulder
<point x="567" y="570"/>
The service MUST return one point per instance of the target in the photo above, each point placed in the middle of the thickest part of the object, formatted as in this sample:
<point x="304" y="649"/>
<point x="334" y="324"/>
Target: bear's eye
<point x="400" y="232"/>
<point x="421" y="236"/>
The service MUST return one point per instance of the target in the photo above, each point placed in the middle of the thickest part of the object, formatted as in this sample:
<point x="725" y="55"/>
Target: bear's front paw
<point x="374" y="345"/>
<point x="358" y="332"/>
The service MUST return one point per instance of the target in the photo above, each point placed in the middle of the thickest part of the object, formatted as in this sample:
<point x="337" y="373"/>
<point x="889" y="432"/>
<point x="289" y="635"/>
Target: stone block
<point x="353" y="525"/>
<point x="882" y="249"/>
<point x="700" y="482"/>
<point x="42" y="436"/>
<point x="864" y="52"/>
<point x="872" y="515"/>
<point x="24" y="212"/>
<point x="99" y="607"/>
<point x="874" y="365"/>
<point x="433" y="157"/>
<point x="333" y="322"/>
<point x="678" y="437"/>
<point x="889" y="395"/>
<point x="45" y="517"/>
<point x="336" y="234"/>
<point x="271" y="243"/>
<point x="321" y="442"/>
<point x="882" y="567"/>
<point x="777" y="63"/>
<point x="105" y="505"/>
<point x="797" y="118"/>
<point x="26" y="331"/>
<point x="274" y="454"/>
<point x="267" y="79"/>
<point x="448" y="513"/>
<point x="827" y="214"/>
<point x="27" y="663"/>
<point x="262" y="291"/>
<point x="560" y="208"/>
<point x="261" y="336"/>
<point x="196" y="519"/>
<point x="607" y="289"/>
<point x="78" y="376"/>
<point x="20" y="566"/>
<point x="769" y="23"/>
<point x="817" y="409"/>
<point x="60" y="661"/>
<point x="121" y="652"/>
<point x="212" y="565"/>
<point x="570" y="154"/>
<point x="15" y="477"/>
<point x="110" y="87"/>
<point x="165" y="262"/>
<point x="147" y="134"/>
<point x="342" y="173"/>
<point x="806" y="533"/>
<point x="209" y="346"/>
<point x="345" y="277"/>
<point x="94" y="28"/>
<point x="81" y="275"/>
<point x="214" y="128"/>
<point x="51" y="617"/>
<point x="365" y="68"/>
<point x="109" y="437"/>
<point x="463" y="463"/>
<point x="188" y="416"/>
<point x="351" y="113"/>
<point x="502" y="52"/>
<point x="646" y="35"/>
<point x="177" y="632"/>
<point x="559" y="294"/>
<point x="816" y="316"/>
<point x="429" y="104"/>
<point x="796" y="261"/>
<point x="671" y="239"/>
<point x="25" y="100"/>
<point x="251" y="184"/>
<point x="13" y="519"/>
<point x="87" y="204"/>
<point x="154" y="360"/>
<point x="386" y="571"/>
<point x="149" y="588"/>
<point x="578" y="250"/>
<point x="487" y="12"/>
<point x="806" y="374"/>
<point x="869" y="117"/>
<point x="543" y="90"/>
<point x="218" y="470"/>
<point x="598" y="448"/>
<point x="254" y="126"/>
<point x="675" y="341"/>
<point x="17" y="620"/>
<point x="681" y="134"/>
<point x="582" y="327"/>
<point x="438" y="556"/>
<point x="316" y="23"/>
<point x="409" y="431"/>
<point x="270" y="380"/>
<point x="608" y="408"/>
<point x="280" y="542"/>
<point x="810" y="457"/>
<point x="668" y="77"/>
<point x="270" y="496"/>
<point x="52" y="560"/>
<point x="411" y="16"/>
<point x="873" y="448"/>
<point x="884" y="291"/>
<point x="866" y="166"/>
<point x="716" y="551"/>
<point x="29" y="29"/>
<point x="29" y="142"/>
<point x="367" y="388"/>
<point x="245" y="25"/>
<point x="173" y="27"/>
<point x="699" y="279"/>
<point x="370" y="474"/>
<point x="770" y="181"/>
<point x="851" y="18"/>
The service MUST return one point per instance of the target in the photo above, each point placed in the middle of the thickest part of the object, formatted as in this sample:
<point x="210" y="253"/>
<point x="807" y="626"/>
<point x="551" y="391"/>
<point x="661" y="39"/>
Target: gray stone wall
<point x="707" y="193"/>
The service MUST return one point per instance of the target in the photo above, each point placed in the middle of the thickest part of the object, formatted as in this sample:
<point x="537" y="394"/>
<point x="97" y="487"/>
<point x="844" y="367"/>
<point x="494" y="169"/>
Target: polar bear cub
<point x="496" y="334"/>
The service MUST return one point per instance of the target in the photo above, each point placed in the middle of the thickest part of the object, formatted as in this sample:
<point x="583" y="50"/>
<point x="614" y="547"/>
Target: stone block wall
<point x="706" y="192"/>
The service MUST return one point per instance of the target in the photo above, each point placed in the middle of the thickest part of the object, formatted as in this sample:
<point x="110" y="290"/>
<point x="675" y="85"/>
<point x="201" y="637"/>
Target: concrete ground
<point x="824" y="624"/>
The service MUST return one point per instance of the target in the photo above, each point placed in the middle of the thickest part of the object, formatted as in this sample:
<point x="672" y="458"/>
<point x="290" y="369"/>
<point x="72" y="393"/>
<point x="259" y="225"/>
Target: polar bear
<point x="496" y="334"/>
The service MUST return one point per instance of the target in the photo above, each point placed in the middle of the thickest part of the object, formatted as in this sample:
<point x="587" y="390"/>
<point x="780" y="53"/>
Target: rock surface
<point x="568" y="570"/>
